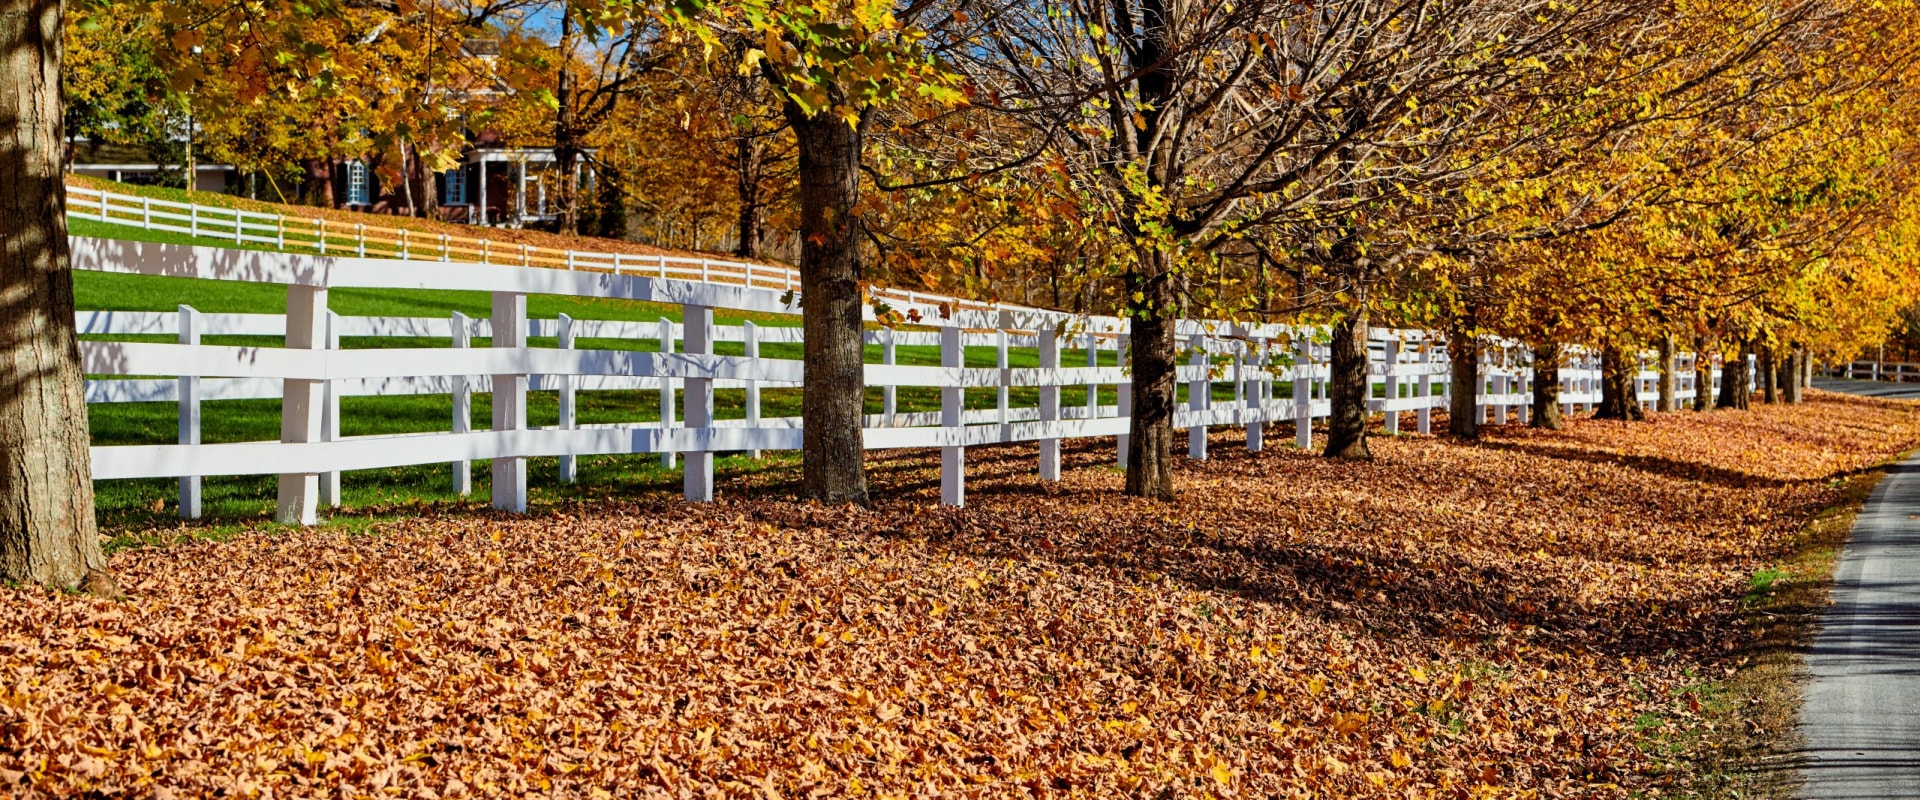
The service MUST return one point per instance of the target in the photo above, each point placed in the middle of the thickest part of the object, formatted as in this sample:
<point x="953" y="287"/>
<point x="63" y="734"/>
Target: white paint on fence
<point x="312" y="372"/>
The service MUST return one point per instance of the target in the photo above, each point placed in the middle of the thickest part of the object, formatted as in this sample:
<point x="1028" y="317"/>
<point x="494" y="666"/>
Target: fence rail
<point x="319" y="236"/>
<point x="1409" y="373"/>
<point x="1897" y="372"/>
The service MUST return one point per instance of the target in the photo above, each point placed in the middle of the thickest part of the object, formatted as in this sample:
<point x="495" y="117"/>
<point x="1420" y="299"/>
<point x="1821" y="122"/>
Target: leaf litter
<point x="1499" y="619"/>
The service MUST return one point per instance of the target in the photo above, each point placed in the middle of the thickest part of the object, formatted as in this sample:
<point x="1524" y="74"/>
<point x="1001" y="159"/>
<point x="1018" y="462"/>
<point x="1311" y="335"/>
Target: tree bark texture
<point x="1669" y="381"/>
<point x="832" y="446"/>
<point x="747" y="191"/>
<point x="1786" y="370"/>
<point x="1546" y="387"/>
<point x="1152" y="354"/>
<point x="1702" y="376"/>
<point x="1347" y="388"/>
<point x="1736" y="390"/>
<point x="1463" y="364"/>
<point x="1769" y="376"/>
<point x="47" y="533"/>
<point x="1618" y="400"/>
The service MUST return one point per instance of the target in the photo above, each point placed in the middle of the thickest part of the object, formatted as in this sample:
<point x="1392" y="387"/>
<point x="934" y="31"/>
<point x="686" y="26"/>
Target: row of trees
<point x="1725" y="176"/>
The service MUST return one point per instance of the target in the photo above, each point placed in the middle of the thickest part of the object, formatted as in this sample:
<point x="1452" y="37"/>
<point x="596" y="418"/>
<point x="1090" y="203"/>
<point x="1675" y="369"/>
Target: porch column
<point x="482" y="169"/>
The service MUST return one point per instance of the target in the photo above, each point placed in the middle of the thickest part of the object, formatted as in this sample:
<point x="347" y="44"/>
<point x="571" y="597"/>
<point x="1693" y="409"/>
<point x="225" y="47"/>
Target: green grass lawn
<point x="141" y="502"/>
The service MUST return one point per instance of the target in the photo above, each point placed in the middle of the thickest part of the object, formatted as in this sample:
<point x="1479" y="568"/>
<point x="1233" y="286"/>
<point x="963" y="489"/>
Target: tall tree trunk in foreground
<point x="1546" y="387"/>
<point x="1618" y="400"/>
<point x="1347" y="388"/>
<point x="1669" y="382"/>
<point x="1702" y="375"/>
<point x="1736" y="389"/>
<point x="47" y="533"/>
<point x="1151" y="354"/>
<point x="832" y="445"/>
<point x="1769" y="369"/>
<point x="1463" y="365"/>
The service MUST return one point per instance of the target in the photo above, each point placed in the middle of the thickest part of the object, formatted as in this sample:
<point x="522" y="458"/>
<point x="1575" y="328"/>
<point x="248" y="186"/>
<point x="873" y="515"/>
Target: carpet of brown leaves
<point x="1449" y="621"/>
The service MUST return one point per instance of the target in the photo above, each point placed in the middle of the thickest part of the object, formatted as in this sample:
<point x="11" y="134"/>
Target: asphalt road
<point x="1899" y="391"/>
<point x="1861" y="716"/>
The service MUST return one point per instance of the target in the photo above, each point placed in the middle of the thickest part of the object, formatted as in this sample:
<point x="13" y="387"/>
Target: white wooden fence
<point x="1896" y="372"/>
<point x="320" y="236"/>
<point x="310" y="373"/>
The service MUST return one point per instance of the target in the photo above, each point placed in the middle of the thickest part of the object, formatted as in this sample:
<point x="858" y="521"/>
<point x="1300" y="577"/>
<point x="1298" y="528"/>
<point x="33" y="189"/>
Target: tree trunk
<point x="834" y="394"/>
<point x="316" y="189"/>
<point x="47" y="533"/>
<point x="1618" y="400"/>
<point x="1702" y="375"/>
<point x="1769" y="376"/>
<point x="1546" y="387"/>
<point x="1790" y="371"/>
<point x="747" y="190"/>
<point x="1347" y="388"/>
<point x="1669" y="382"/>
<point x="566" y="135"/>
<point x="1736" y="390"/>
<point x="1463" y="405"/>
<point x="1151" y="355"/>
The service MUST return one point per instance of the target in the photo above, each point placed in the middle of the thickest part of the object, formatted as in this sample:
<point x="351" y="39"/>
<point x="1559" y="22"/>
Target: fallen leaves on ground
<point x="1516" y="618"/>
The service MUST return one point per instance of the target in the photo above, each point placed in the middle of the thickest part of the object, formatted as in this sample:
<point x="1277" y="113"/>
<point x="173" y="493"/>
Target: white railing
<point x="1897" y="372"/>
<point x="319" y="236"/>
<point x="311" y="372"/>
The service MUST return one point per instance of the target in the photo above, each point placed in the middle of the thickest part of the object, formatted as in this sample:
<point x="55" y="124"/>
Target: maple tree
<point x="47" y="528"/>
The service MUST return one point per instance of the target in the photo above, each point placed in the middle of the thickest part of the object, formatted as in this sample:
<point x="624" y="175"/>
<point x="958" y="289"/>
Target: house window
<point x="456" y="188"/>
<point x="357" y="184"/>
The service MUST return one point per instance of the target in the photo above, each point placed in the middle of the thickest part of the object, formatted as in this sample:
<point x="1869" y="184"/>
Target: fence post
<point x="446" y="247"/>
<point x="323" y="235"/>
<point x="1123" y="393"/>
<point x="406" y="245"/>
<point x="706" y="271"/>
<point x="146" y="210"/>
<point x="330" y="418"/>
<point x="616" y="263"/>
<point x="751" y="333"/>
<point x="1093" y="386"/>
<point x="953" y="457"/>
<point x="301" y="403"/>
<point x="1482" y="407"/>
<point x="1302" y="390"/>
<point x="239" y="224"/>
<point x="569" y="472"/>
<point x="1251" y="368"/>
<point x="510" y="401"/>
<point x="1003" y="393"/>
<point x="1199" y="395"/>
<point x="462" y="405"/>
<point x="1523" y="377"/>
<point x="889" y="394"/>
<point x="280" y="230"/>
<point x="193" y="220"/>
<point x="1425" y="388"/>
<point x="1392" y="358"/>
<point x="661" y="261"/>
<point x="360" y="238"/>
<point x="668" y="458"/>
<point x="189" y="413"/>
<point x="698" y="480"/>
<point x="1050" y="402"/>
